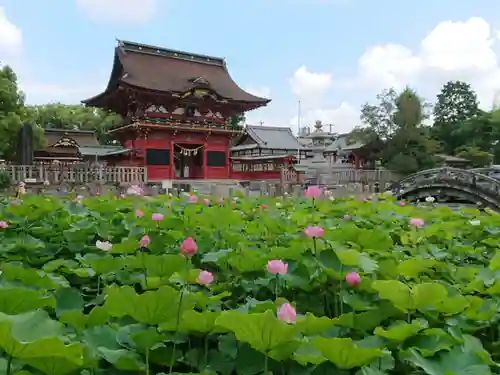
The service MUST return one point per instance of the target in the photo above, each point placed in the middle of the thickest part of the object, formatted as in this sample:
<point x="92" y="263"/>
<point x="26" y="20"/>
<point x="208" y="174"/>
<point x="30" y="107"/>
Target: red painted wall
<point x="257" y="176"/>
<point x="165" y="140"/>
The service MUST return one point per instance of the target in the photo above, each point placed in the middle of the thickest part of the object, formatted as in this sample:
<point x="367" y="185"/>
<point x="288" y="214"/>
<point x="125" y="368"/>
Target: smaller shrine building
<point x="74" y="146"/>
<point x="263" y="152"/>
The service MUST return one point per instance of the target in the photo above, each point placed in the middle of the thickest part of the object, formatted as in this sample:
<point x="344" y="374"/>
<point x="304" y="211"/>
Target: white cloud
<point x="453" y="50"/>
<point x="260" y="91"/>
<point x="343" y="118"/>
<point x="128" y="11"/>
<point x="11" y="38"/>
<point x="310" y="86"/>
<point x="389" y="65"/>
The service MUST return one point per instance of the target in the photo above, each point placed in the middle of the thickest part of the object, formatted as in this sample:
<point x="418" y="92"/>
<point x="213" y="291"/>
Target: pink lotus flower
<point x="287" y="313"/>
<point x="314" y="232"/>
<point x="189" y="247"/>
<point x="402" y="204"/>
<point x="135" y="190"/>
<point x="416" y="222"/>
<point x="352" y="279"/>
<point x="205" y="278"/>
<point x="206" y="202"/>
<point x="277" y="267"/>
<point x="157" y="217"/>
<point x="221" y="201"/>
<point x="145" y="241"/>
<point x="347" y="217"/>
<point x="3" y="224"/>
<point x="139" y="213"/>
<point x="313" y="192"/>
<point x="123" y="196"/>
<point x="263" y="205"/>
<point x="193" y="199"/>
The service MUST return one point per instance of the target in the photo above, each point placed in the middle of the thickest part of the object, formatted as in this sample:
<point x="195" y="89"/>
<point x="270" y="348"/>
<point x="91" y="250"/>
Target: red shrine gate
<point x="178" y="109"/>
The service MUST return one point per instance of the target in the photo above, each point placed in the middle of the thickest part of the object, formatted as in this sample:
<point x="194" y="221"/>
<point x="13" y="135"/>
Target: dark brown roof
<point x="61" y="150"/>
<point x="165" y="70"/>
<point x="81" y="137"/>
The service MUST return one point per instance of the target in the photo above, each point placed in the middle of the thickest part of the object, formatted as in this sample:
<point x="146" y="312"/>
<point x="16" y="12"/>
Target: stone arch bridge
<point x="452" y="184"/>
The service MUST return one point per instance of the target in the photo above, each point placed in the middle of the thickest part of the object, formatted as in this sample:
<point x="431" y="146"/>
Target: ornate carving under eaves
<point x="65" y="142"/>
<point x="199" y="81"/>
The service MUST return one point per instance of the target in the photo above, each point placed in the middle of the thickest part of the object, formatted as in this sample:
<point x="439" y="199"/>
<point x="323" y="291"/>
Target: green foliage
<point x="63" y="116"/>
<point x="5" y="180"/>
<point x="394" y="127"/>
<point x="456" y="104"/>
<point x="237" y="122"/>
<point x="14" y="114"/>
<point x="477" y="158"/>
<point x="427" y="302"/>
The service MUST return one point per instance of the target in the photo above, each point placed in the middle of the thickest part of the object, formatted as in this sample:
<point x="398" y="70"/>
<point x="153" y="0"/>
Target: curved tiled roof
<point x="165" y="70"/>
<point x="270" y="137"/>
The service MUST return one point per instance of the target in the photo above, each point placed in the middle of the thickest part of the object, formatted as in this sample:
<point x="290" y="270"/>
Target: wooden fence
<point x="55" y="175"/>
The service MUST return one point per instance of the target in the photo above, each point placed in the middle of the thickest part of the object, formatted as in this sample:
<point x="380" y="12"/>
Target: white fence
<point x="345" y="176"/>
<point x="57" y="174"/>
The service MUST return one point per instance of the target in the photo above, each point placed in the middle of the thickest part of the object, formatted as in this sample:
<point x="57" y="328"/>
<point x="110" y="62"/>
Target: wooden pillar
<point x="205" y="161"/>
<point x="145" y="148"/>
<point x="229" y="168"/>
<point x="172" y="158"/>
<point x="357" y="161"/>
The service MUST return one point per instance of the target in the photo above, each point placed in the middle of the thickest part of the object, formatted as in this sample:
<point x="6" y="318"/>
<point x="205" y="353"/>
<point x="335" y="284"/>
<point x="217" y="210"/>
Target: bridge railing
<point x="453" y="177"/>
<point x="57" y="174"/>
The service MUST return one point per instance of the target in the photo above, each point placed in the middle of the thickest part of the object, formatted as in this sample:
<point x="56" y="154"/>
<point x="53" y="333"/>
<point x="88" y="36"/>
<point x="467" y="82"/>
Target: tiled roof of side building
<point x="342" y="143"/>
<point x="270" y="137"/>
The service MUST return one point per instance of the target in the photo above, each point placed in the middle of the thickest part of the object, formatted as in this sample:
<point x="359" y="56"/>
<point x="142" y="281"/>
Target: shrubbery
<point x="5" y="180"/>
<point x="142" y="285"/>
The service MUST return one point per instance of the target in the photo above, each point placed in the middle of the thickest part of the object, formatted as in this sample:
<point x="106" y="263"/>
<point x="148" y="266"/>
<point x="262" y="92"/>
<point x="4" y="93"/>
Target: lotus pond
<point x="165" y="285"/>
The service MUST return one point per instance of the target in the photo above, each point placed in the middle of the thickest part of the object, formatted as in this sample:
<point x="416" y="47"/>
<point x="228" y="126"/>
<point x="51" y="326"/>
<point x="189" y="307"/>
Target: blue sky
<point x="332" y="55"/>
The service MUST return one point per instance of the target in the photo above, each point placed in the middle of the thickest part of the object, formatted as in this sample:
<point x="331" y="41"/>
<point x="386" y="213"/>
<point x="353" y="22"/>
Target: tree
<point x="476" y="156"/>
<point x="481" y="133"/>
<point x="456" y="103"/>
<point x="379" y="118"/>
<point x="410" y="148"/>
<point x="77" y="117"/>
<point x="12" y="115"/>
<point x="237" y="122"/>
<point x="396" y="124"/>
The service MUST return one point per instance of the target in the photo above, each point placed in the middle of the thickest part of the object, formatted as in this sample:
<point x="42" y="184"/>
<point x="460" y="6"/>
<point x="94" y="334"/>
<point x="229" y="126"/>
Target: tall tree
<point x="12" y="114"/>
<point x="396" y="124"/>
<point x="479" y="136"/>
<point x="456" y="103"/>
<point x="409" y="149"/>
<point x="62" y="116"/>
<point x="237" y="122"/>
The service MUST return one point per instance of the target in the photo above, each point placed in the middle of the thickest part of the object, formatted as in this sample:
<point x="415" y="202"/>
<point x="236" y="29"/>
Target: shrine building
<point x="179" y="110"/>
